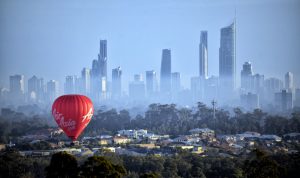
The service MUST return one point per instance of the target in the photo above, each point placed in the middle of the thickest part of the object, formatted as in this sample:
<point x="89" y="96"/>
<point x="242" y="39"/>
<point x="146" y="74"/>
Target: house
<point x="292" y="137"/>
<point x="227" y="138"/>
<point x="40" y="153"/>
<point x="197" y="150"/>
<point x="105" y="141"/>
<point x="121" y="140"/>
<point x="203" y="132"/>
<point x="133" y="134"/>
<point x="270" y="138"/>
<point x="152" y="136"/>
<point x="109" y="149"/>
<point x="186" y="139"/>
<point x="104" y="137"/>
<point x="184" y="147"/>
<point x="86" y="152"/>
<point x="248" y="136"/>
<point x="236" y="146"/>
<point x="148" y="146"/>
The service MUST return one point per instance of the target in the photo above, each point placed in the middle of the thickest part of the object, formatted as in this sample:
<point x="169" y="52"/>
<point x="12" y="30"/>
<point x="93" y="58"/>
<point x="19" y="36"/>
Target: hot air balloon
<point x="72" y="113"/>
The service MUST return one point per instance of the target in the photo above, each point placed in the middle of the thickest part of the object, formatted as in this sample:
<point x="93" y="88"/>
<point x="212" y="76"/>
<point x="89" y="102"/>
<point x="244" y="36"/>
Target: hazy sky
<point x="55" y="38"/>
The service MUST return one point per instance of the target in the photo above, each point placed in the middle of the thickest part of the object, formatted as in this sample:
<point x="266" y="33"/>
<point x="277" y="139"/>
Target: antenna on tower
<point x="234" y="10"/>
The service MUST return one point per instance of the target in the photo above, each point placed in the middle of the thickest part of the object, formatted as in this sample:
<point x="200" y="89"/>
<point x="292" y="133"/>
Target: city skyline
<point x="256" y="91"/>
<point x="160" y="88"/>
<point x="145" y="50"/>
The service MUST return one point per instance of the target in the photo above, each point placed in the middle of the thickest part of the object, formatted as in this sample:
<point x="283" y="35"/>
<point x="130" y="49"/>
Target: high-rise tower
<point x="165" y="71"/>
<point x="99" y="73"/>
<point x="175" y="78"/>
<point x="102" y="58"/>
<point x="227" y="59"/>
<point x="289" y="81"/>
<point x="150" y="82"/>
<point x="16" y="88"/>
<point x="116" y="83"/>
<point x="70" y="85"/>
<point x="86" y="81"/>
<point x="203" y="55"/>
<point x="246" y="77"/>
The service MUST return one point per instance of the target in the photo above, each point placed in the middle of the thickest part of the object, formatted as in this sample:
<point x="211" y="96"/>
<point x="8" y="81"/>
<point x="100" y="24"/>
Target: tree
<point x="62" y="165"/>
<point x="170" y="168"/>
<point x="149" y="175"/>
<point x="13" y="165"/>
<point x="98" y="166"/>
<point x="261" y="166"/>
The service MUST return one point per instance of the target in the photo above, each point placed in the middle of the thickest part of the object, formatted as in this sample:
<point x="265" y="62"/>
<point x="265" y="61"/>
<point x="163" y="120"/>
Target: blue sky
<point x="52" y="39"/>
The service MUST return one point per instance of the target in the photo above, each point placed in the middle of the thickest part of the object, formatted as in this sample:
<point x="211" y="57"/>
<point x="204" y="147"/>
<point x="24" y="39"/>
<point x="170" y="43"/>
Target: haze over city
<point x="150" y="89"/>
<point x="56" y="39"/>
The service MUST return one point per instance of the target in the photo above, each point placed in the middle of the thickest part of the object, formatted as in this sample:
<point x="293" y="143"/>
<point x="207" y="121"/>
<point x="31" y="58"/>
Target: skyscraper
<point x="36" y="88"/>
<point x="137" y="88"/>
<point x="271" y="86"/>
<point x="70" y="85"/>
<point x="211" y="89"/>
<point x="246" y="77"/>
<point x="165" y="72"/>
<point x="258" y="84"/>
<point x="86" y="80"/>
<point x="289" y="81"/>
<point x="99" y="73"/>
<point x="16" y="84"/>
<point x="95" y="81"/>
<point x="52" y="90"/>
<point x="116" y="83"/>
<point x="250" y="101"/>
<point x="151" y="82"/>
<point x="227" y="59"/>
<point x="284" y="100"/>
<point x="16" y="88"/>
<point x="102" y="58"/>
<point x="203" y="55"/>
<point x="175" y="83"/>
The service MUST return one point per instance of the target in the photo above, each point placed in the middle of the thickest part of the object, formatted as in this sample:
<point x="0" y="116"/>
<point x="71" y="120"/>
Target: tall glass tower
<point x="203" y="55"/>
<point x="99" y="73"/>
<point x="102" y="58"/>
<point x="227" y="58"/>
<point x="150" y="82"/>
<point x="289" y="81"/>
<point x="116" y="83"/>
<point x="165" y="71"/>
<point x="246" y="77"/>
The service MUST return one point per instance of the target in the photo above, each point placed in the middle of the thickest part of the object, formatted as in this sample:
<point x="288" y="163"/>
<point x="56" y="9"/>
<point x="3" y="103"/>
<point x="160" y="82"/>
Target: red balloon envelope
<point x="72" y="113"/>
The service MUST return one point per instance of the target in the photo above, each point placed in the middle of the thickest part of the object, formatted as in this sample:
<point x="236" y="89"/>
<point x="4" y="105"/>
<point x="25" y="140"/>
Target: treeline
<point x="258" y="164"/>
<point x="168" y="119"/>
<point x="14" y="124"/>
<point x="161" y="119"/>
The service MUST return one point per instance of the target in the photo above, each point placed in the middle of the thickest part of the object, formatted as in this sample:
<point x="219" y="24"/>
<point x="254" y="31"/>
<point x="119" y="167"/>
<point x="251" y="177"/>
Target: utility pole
<point x="214" y="103"/>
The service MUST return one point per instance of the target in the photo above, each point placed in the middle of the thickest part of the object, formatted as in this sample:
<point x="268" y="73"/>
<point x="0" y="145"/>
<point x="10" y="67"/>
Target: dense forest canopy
<point x="258" y="164"/>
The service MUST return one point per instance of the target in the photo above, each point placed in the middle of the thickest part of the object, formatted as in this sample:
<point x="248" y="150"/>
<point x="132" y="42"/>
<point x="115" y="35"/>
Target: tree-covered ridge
<point x="169" y="119"/>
